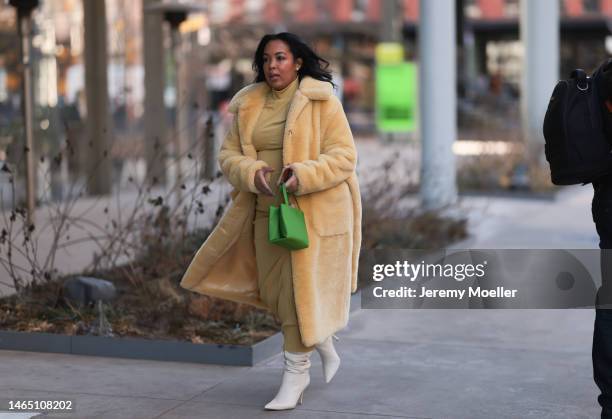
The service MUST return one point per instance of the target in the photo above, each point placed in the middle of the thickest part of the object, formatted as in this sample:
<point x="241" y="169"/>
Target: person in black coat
<point x="601" y="209"/>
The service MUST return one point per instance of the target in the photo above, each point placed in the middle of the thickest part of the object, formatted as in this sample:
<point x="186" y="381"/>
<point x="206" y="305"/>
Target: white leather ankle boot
<point x="329" y="357"/>
<point x="296" y="377"/>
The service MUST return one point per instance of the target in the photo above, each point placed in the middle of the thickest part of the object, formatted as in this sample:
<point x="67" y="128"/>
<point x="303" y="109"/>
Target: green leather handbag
<point x="287" y="227"/>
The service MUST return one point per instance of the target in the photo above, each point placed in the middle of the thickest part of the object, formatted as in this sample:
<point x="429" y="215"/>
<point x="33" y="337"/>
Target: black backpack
<point x="577" y="129"/>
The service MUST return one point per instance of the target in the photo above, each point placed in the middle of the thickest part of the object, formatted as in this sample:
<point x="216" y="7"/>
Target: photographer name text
<point x="410" y="292"/>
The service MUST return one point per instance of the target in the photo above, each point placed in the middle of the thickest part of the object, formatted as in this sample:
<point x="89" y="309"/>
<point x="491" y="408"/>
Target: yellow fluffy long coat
<point x="319" y="146"/>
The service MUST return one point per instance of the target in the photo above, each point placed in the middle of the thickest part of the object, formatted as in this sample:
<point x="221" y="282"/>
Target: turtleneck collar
<point x="287" y="92"/>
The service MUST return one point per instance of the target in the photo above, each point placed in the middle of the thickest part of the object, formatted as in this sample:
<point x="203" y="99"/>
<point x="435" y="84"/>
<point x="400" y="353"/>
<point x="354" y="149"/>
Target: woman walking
<point x="288" y="128"/>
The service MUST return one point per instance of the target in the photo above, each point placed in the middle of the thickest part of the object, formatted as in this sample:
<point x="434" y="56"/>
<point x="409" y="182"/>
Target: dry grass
<point x="147" y="306"/>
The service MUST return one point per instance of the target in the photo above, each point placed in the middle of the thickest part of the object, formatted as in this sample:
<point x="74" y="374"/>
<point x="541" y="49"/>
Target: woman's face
<point x="280" y="69"/>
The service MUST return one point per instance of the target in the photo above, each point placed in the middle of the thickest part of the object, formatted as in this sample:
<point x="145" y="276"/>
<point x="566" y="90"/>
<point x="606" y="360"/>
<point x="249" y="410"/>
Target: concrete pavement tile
<point x="206" y="410"/>
<point x="437" y="381"/>
<point x="507" y="223"/>
<point x="568" y="330"/>
<point x="449" y="381"/>
<point x="109" y="376"/>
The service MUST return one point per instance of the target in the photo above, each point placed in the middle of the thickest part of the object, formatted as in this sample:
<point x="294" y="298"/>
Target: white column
<point x="437" y="92"/>
<point x="540" y="38"/>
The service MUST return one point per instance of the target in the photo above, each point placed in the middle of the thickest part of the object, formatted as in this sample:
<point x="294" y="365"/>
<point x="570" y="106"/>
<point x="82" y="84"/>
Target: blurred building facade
<point x="219" y="46"/>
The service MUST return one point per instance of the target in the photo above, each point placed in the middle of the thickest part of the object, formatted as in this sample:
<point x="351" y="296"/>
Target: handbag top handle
<point x="284" y="191"/>
<point x="285" y="196"/>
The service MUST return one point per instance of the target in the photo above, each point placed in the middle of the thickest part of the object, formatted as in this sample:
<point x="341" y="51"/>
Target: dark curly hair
<point x="312" y="65"/>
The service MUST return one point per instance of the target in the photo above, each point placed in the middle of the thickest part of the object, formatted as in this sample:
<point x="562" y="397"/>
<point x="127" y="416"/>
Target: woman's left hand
<point x="288" y="177"/>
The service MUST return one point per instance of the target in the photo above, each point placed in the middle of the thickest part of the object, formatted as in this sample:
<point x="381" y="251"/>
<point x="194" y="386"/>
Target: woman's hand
<point x="260" y="181"/>
<point x="288" y="177"/>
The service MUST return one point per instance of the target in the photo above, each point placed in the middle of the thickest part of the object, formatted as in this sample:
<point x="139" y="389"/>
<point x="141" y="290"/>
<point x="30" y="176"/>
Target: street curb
<point x="152" y="349"/>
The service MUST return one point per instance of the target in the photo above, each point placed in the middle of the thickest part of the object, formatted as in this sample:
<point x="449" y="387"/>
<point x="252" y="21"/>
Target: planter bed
<point x="154" y="349"/>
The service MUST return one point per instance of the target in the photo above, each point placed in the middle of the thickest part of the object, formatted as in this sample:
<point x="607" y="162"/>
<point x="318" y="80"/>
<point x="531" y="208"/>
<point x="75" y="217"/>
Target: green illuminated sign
<point x="396" y="97"/>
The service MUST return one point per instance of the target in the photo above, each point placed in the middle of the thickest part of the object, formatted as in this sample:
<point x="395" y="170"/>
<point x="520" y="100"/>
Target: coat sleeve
<point x="337" y="158"/>
<point x="238" y="169"/>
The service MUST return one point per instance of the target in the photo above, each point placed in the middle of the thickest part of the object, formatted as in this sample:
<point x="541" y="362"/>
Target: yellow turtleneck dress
<point x="274" y="262"/>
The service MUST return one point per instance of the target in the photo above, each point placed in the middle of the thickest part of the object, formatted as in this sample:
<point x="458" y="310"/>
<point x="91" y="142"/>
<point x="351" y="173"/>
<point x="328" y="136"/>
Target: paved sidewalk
<point x="505" y="223"/>
<point x="395" y="363"/>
